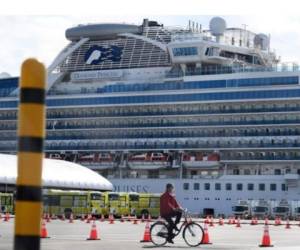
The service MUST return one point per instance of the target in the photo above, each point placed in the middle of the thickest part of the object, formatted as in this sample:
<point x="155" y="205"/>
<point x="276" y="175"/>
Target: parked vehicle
<point x="296" y="210"/>
<point x="149" y="204"/>
<point x="260" y="209"/>
<point x="78" y="203"/>
<point x="132" y="203"/>
<point x="281" y="209"/>
<point x="242" y="209"/>
<point x="6" y="203"/>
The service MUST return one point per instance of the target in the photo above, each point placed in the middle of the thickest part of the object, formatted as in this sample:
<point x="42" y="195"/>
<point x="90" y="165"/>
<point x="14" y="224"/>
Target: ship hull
<point x="220" y="202"/>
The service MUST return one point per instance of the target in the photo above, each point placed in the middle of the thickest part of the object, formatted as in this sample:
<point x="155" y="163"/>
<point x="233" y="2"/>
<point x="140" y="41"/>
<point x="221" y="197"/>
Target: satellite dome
<point x="217" y="26"/>
<point x="4" y="75"/>
<point x="262" y="41"/>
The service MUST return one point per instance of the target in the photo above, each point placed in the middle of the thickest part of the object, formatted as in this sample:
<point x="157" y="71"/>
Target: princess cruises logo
<point x="97" y="54"/>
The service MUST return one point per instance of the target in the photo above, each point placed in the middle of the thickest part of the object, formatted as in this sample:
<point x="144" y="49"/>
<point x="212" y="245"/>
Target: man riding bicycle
<point x="169" y="208"/>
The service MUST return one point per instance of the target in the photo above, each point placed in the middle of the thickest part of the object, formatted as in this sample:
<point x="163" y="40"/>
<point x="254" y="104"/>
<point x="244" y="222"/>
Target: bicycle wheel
<point x="159" y="233"/>
<point x="193" y="234"/>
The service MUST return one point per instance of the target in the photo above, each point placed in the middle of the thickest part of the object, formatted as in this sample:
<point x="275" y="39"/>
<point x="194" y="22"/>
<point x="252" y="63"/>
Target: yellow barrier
<point x="31" y="134"/>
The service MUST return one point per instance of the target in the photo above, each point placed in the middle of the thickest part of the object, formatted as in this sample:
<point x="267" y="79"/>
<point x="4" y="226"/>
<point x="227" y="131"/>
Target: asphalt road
<point x="65" y="235"/>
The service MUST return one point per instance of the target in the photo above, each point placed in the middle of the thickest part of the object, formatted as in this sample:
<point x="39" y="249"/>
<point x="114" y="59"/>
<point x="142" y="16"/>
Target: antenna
<point x="244" y="26"/>
<point x="246" y="35"/>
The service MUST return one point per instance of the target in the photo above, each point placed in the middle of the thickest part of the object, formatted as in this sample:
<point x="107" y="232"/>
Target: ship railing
<point x="213" y="70"/>
<point x="187" y="112"/>
<point x="167" y="124"/>
<point x="4" y="146"/>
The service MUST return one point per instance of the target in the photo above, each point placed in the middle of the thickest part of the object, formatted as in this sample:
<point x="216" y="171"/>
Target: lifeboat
<point x="105" y="157"/>
<point x="55" y="156"/>
<point x="86" y="158"/>
<point x="149" y="161"/>
<point x="97" y="161"/>
<point x="199" y="160"/>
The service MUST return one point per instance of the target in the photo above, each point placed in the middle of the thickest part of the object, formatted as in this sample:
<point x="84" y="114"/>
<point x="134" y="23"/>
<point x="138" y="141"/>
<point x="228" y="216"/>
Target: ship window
<point x="277" y="171"/>
<point x="228" y="186"/>
<point x="196" y="186"/>
<point x="236" y="171"/>
<point x="217" y="186"/>
<point x="186" y="186"/>
<point x="273" y="187"/>
<point x="239" y="186"/>
<point x="185" y="51"/>
<point x="283" y="187"/>
<point x="261" y="187"/>
<point x="206" y="186"/>
<point x="247" y="171"/>
<point x="250" y="186"/>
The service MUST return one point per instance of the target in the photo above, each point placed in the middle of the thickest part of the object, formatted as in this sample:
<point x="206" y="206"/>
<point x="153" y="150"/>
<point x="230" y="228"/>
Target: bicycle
<point x="192" y="232"/>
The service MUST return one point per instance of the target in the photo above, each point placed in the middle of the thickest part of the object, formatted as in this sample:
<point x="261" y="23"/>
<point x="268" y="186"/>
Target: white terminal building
<point x="56" y="174"/>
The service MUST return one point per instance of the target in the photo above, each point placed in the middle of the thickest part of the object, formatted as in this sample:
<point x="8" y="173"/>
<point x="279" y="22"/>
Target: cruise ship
<point x="211" y="110"/>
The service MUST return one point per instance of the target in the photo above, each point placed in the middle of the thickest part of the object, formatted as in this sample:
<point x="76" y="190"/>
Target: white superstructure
<point x="212" y="111"/>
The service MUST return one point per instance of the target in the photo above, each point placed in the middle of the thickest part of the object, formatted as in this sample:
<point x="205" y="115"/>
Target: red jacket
<point x="167" y="204"/>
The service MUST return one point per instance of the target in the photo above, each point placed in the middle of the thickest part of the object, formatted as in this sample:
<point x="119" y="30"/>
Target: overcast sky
<point x="43" y="36"/>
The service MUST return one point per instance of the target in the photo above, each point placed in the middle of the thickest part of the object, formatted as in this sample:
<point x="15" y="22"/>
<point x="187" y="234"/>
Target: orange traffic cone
<point x="277" y="221"/>
<point x="135" y="221"/>
<point x="149" y="217"/>
<point x="147" y="235"/>
<point x="143" y="218"/>
<point x="266" y="221"/>
<point x="71" y="219"/>
<point x="102" y="218"/>
<point x="48" y="218"/>
<point x="211" y="222"/>
<point x="229" y="221"/>
<point x="44" y="231"/>
<point x="206" y="221"/>
<point x="111" y="219"/>
<point x="287" y="225"/>
<point x="88" y="219"/>
<point x="221" y="222"/>
<point x="238" y="223"/>
<point x="6" y="217"/>
<point x="93" y="232"/>
<point x="266" y="241"/>
<point x="253" y="221"/>
<point x="122" y="218"/>
<point x="233" y="220"/>
<point x="205" y="239"/>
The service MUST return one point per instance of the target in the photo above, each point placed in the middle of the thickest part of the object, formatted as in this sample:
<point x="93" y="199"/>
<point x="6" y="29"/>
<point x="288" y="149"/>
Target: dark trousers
<point x="171" y="223"/>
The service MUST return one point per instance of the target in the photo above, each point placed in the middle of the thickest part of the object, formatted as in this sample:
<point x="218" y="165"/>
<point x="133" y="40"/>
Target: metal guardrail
<point x="215" y="70"/>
